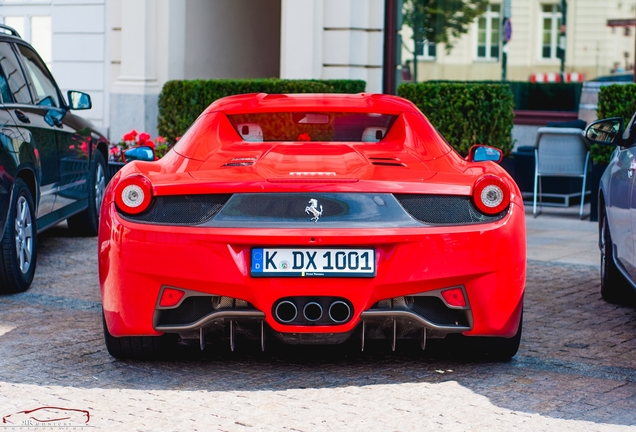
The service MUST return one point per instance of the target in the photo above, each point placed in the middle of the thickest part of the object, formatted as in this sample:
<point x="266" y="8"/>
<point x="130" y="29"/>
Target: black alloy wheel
<point x="614" y="287"/>
<point x="86" y="223"/>
<point x="18" y="252"/>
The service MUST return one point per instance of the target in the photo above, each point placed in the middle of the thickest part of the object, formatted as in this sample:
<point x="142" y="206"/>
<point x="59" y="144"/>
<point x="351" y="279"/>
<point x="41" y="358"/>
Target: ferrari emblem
<point x="312" y="208"/>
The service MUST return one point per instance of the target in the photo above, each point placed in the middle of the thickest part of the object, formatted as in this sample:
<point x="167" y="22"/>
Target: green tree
<point x="440" y="21"/>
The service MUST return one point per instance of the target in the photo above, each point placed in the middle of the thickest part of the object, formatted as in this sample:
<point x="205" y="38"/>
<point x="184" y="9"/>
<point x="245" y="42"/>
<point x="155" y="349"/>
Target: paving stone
<point x="576" y="369"/>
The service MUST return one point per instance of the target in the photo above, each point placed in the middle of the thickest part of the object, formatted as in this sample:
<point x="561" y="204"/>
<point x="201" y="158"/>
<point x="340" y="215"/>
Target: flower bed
<point x="135" y="139"/>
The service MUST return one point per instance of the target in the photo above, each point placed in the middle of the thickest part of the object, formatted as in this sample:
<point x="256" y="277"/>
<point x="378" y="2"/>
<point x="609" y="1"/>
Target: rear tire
<point x="18" y="251"/>
<point x="477" y="348"/>
<point x="139" y="347"/>
<point x="496" y="348"/>
<point x="86" y="223"/>
<point x="614" y="287"/>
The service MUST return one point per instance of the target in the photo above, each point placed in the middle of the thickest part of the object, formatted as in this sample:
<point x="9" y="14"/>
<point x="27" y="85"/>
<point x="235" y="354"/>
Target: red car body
<point x="149" y="270"/>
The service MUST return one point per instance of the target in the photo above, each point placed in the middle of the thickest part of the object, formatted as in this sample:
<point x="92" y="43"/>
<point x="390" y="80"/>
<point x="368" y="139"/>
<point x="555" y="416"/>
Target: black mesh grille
<point x="192" y="309"/>
<point x="393" y="164"/>
<point x="444" y="209"/>
<point x="181" y="209"/>
<point x="434" y="310"/>
<point x="283" y="206"/>
<point x="431" y="308"/>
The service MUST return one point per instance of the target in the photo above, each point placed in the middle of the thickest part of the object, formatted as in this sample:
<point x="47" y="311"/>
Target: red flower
<point x="129" y="137"/>
<point x="143" y="137"/>
<point x="84" y="147"/>
<point x="114" y="151"/>
<point x="134" y="133"/>
<point x="304" y="137"/>
<point x="177" y="139"/>
<point x="149" y="144"/>
<point x="160" y="140"/>
<point x="72" y="147"/>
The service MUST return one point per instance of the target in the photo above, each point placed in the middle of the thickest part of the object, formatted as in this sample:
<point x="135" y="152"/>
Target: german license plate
<point x="300" y="262"/>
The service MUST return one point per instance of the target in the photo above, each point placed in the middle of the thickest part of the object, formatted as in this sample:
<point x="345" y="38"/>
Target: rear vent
<point x="240" y="161"/>
<point x="444" y="209"/>
<point x="380" y="161"/>
<point x="181" y="209"/>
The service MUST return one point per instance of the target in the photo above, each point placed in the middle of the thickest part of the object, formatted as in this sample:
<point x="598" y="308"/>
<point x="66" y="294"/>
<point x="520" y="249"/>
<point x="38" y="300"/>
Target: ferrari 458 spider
<point x="312" y="219"/>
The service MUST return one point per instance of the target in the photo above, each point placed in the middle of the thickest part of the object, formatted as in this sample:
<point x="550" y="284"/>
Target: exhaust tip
<point x="286" y="311"/>
<point x="339" y="312"/>
<point x="312" y="311"/>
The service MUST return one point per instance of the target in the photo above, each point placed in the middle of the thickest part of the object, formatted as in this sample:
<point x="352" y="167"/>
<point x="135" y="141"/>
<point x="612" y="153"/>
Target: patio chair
<point x="560" y="152"/>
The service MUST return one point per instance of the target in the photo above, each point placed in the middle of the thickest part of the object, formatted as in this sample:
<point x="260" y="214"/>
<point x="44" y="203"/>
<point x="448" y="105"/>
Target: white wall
<point x="232" y="39"/>
<point x="154" y="41"/>
<point x="78" y="46"/>
<point x="79" y="52"/>
<point x="333" y="39"/>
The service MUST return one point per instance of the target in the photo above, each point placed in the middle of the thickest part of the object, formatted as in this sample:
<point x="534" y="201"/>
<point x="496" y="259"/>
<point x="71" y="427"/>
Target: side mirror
<point x="482" y="153"/>
<point x="141" y="153"/>
<point x="79" y="100"/>
<point x="605" y="131"/>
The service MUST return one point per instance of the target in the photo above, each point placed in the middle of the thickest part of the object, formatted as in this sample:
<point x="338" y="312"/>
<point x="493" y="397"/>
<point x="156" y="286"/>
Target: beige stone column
<point x="150" y="52"/>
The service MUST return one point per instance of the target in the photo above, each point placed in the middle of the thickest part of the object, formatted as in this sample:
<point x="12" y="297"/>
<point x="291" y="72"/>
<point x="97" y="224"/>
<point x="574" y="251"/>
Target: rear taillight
<point x="170" y="297"/>
<point x="454" y="297"/>
<point x="491" y="194"/>
<point x="133" y="194"/>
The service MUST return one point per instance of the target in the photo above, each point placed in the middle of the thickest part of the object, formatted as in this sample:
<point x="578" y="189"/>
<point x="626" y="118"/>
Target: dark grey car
<point x="617" y="208"/>
<point x="52" y="163"/>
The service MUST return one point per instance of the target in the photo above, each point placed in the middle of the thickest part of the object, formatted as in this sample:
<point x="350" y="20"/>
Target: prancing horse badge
<point x="312" y="208"/>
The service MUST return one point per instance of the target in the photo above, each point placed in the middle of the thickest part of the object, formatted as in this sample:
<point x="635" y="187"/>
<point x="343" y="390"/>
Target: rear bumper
<point x="137" y="260"/>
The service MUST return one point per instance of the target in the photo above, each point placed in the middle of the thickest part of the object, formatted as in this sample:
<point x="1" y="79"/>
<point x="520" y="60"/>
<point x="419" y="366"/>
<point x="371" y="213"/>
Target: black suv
<point x="52" y="163"/>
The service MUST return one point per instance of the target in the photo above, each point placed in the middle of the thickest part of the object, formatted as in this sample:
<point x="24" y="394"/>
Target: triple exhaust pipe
<point x="338" y="312"/>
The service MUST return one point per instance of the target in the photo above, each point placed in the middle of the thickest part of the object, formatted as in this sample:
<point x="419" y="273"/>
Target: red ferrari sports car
<point x="312" y="219"/>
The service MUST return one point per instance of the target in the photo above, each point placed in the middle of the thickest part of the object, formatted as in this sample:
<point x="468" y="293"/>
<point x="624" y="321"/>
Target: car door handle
<point x="22" y="116"/>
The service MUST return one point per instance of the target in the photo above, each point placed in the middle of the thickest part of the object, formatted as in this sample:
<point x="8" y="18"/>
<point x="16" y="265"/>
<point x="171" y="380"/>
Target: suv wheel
<point x="86" y="223"/>
<point x="18" y="252"/>
<point x="614" y="287"/>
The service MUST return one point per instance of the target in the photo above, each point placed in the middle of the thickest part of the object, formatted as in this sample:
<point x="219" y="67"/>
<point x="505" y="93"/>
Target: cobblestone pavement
<point x="576" y="369"/>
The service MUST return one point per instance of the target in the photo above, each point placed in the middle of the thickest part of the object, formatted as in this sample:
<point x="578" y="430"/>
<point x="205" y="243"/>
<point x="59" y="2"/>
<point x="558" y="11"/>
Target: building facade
<point x="122" y="52"/>
<point x="599" y="39"/>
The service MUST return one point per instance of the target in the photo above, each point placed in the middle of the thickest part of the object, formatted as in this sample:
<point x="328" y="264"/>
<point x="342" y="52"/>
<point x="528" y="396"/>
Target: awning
<point x="556" y="77"/>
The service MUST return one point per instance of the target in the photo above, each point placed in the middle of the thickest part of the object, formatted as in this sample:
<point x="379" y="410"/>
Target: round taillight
<point x="491" y="194"/>
<point x="133" y="194"/>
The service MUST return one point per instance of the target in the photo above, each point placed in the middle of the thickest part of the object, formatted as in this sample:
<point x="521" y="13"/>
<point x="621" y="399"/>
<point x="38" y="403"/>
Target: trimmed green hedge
<point x="466" y="114"/>
<point x="537" y="96"/>
<point x="613" y="101"/>
<point x="181" y="102"/>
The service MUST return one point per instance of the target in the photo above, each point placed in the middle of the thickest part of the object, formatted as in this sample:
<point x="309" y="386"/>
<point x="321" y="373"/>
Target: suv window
<point x="5" y="94"/>
<point x="44" y="90"/>
<point x="18" y="90"/>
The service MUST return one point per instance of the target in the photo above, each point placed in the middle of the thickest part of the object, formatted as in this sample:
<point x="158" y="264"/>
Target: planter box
<point x="113" y="167"/>
<point x="541" y="118"/>
<point x="508" y="163"/>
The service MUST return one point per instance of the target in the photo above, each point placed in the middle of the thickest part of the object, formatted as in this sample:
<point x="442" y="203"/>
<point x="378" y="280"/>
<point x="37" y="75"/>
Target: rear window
<point x="312" y="126"/>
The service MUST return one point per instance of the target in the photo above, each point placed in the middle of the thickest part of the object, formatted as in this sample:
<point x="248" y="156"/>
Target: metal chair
<point x="560" y="152"/>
